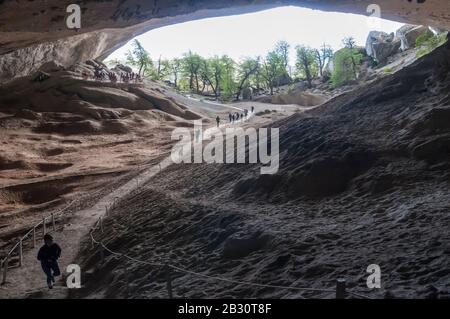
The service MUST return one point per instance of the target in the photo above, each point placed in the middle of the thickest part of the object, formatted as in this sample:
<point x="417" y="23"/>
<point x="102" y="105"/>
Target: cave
<point x="363" y="170"/>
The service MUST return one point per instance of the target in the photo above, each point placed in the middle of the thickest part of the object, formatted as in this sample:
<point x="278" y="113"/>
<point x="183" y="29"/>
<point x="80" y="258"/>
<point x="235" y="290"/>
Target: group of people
<point x="100" y="75"/>
<point x="234" y="117"/>
<point x="130" y="77"/>
<point x="41" y="76"/>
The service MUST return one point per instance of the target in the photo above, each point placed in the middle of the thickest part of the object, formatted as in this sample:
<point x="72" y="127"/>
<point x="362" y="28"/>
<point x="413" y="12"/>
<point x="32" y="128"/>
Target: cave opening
<point x="357" y="109"/>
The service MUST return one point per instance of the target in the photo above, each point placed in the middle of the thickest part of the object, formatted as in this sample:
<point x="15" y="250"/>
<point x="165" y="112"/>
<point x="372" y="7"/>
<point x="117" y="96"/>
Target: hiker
<point x="230" y="116"/>
<point x="237" y="116"/>
<point x="218" y="120"/>
<point x="48" y="256"/>
<point x="253" y="109"/>
<point x="246" y="112"/>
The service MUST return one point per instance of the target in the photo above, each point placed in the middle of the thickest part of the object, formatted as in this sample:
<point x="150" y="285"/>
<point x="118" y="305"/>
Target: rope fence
<point x="33" y="234"/>
<point x="48" y="224"/>
<point x="341" y="291"/>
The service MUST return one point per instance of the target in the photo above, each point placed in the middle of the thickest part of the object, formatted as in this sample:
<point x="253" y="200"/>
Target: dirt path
<point x="29" y="280"/>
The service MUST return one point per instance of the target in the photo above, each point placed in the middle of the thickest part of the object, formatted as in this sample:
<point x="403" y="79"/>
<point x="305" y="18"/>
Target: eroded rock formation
<point x="32" y="34"/>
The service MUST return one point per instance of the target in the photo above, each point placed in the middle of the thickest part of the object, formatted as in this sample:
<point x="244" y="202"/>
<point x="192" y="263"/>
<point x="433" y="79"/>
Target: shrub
<point x="428" y="44"/>
<point x="423" y="38"/>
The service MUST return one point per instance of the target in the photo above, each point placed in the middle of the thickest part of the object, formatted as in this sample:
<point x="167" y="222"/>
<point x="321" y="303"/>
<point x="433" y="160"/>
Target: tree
<point x="212" y="71"/>
<point x="346" y="62"/>
<point x="306" y="63"/>
<point x="229" y="77"/>
<point x="282" y="49"/>
<point x="160" y="72"/>
<point x="174" y="67"/>
<point x="272" y="69"/>
<point x="323" y="56"/>
<point x="350" y="44"/>
<point x="139" y="57"/>
<point x="191" y="67"/>
<point x="247" y="68"/>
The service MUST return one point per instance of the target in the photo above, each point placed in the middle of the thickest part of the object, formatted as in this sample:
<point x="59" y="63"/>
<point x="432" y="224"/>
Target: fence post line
<point x="340" y="288"/>
<point x="34" y="237"/>
<point x="20" y="253"/>
<point x="5" y="269"/>
<point x="53" y="222"/>
<point x="44" y="230"/>
<point x="169" y="282"/>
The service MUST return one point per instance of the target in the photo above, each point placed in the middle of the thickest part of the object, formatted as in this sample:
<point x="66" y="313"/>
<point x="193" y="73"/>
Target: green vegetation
<point x="139" y="57"/>
<point x="222" y="78"/>
<point x="427" y="42"/>
<point x="388" y="70"/>
<point x="347" y="62"/>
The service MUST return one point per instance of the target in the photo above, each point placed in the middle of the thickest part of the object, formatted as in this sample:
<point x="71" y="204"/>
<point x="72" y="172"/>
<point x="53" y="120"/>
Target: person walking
<point x="48" y="255"/>
<point x="218" y="120"/>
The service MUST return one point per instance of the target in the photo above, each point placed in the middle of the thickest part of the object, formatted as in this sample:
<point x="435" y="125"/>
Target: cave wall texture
<point x="33" y="32"/>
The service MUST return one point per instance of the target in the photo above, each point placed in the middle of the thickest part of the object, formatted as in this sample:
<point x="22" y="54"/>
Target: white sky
<point x="256" y="33"/>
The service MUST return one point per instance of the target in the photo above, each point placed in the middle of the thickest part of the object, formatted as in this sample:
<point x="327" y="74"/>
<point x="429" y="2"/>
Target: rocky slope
<point x="69" y="134"/>
<point x="364" y="179"/>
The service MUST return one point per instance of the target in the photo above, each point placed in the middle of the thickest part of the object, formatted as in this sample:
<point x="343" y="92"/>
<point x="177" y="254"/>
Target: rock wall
<point x="32" y="33"/>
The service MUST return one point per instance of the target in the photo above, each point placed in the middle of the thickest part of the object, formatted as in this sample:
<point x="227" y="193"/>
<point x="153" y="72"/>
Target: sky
<point x="250" y="35"/>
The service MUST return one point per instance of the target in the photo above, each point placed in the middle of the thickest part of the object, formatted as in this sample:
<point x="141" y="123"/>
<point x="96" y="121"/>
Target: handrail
<point x="60" y="212"/>
<point x="3" y="262"/>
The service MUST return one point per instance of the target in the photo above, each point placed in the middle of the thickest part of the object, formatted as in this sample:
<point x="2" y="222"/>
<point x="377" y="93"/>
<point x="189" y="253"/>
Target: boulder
<point x="408" y="35"/>
<point x="380" y="45"/>
<point x="437" y="31"/>
<point x="401" y="34"/>
<point x="284" y="79"/>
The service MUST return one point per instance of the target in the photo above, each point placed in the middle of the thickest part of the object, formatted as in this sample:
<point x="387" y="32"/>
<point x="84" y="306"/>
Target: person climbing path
<point x="48" y="255"/>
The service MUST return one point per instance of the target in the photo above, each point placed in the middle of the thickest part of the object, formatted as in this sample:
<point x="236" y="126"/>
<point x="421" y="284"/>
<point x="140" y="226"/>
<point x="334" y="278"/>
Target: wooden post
<point x="44" y="230"/>
<point x="20" y="253"/>
<point x="34" y="237"/>
<point x="53" y="222"/>
<point x="101" y="224"/>
<point x="169" y="282"/>
<point x="5" y="269"/>
<point x="340" y="288"/>
<point x="127" y="279"/>
<point x="92" y="239"/>
<point x="102" y="254"/>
